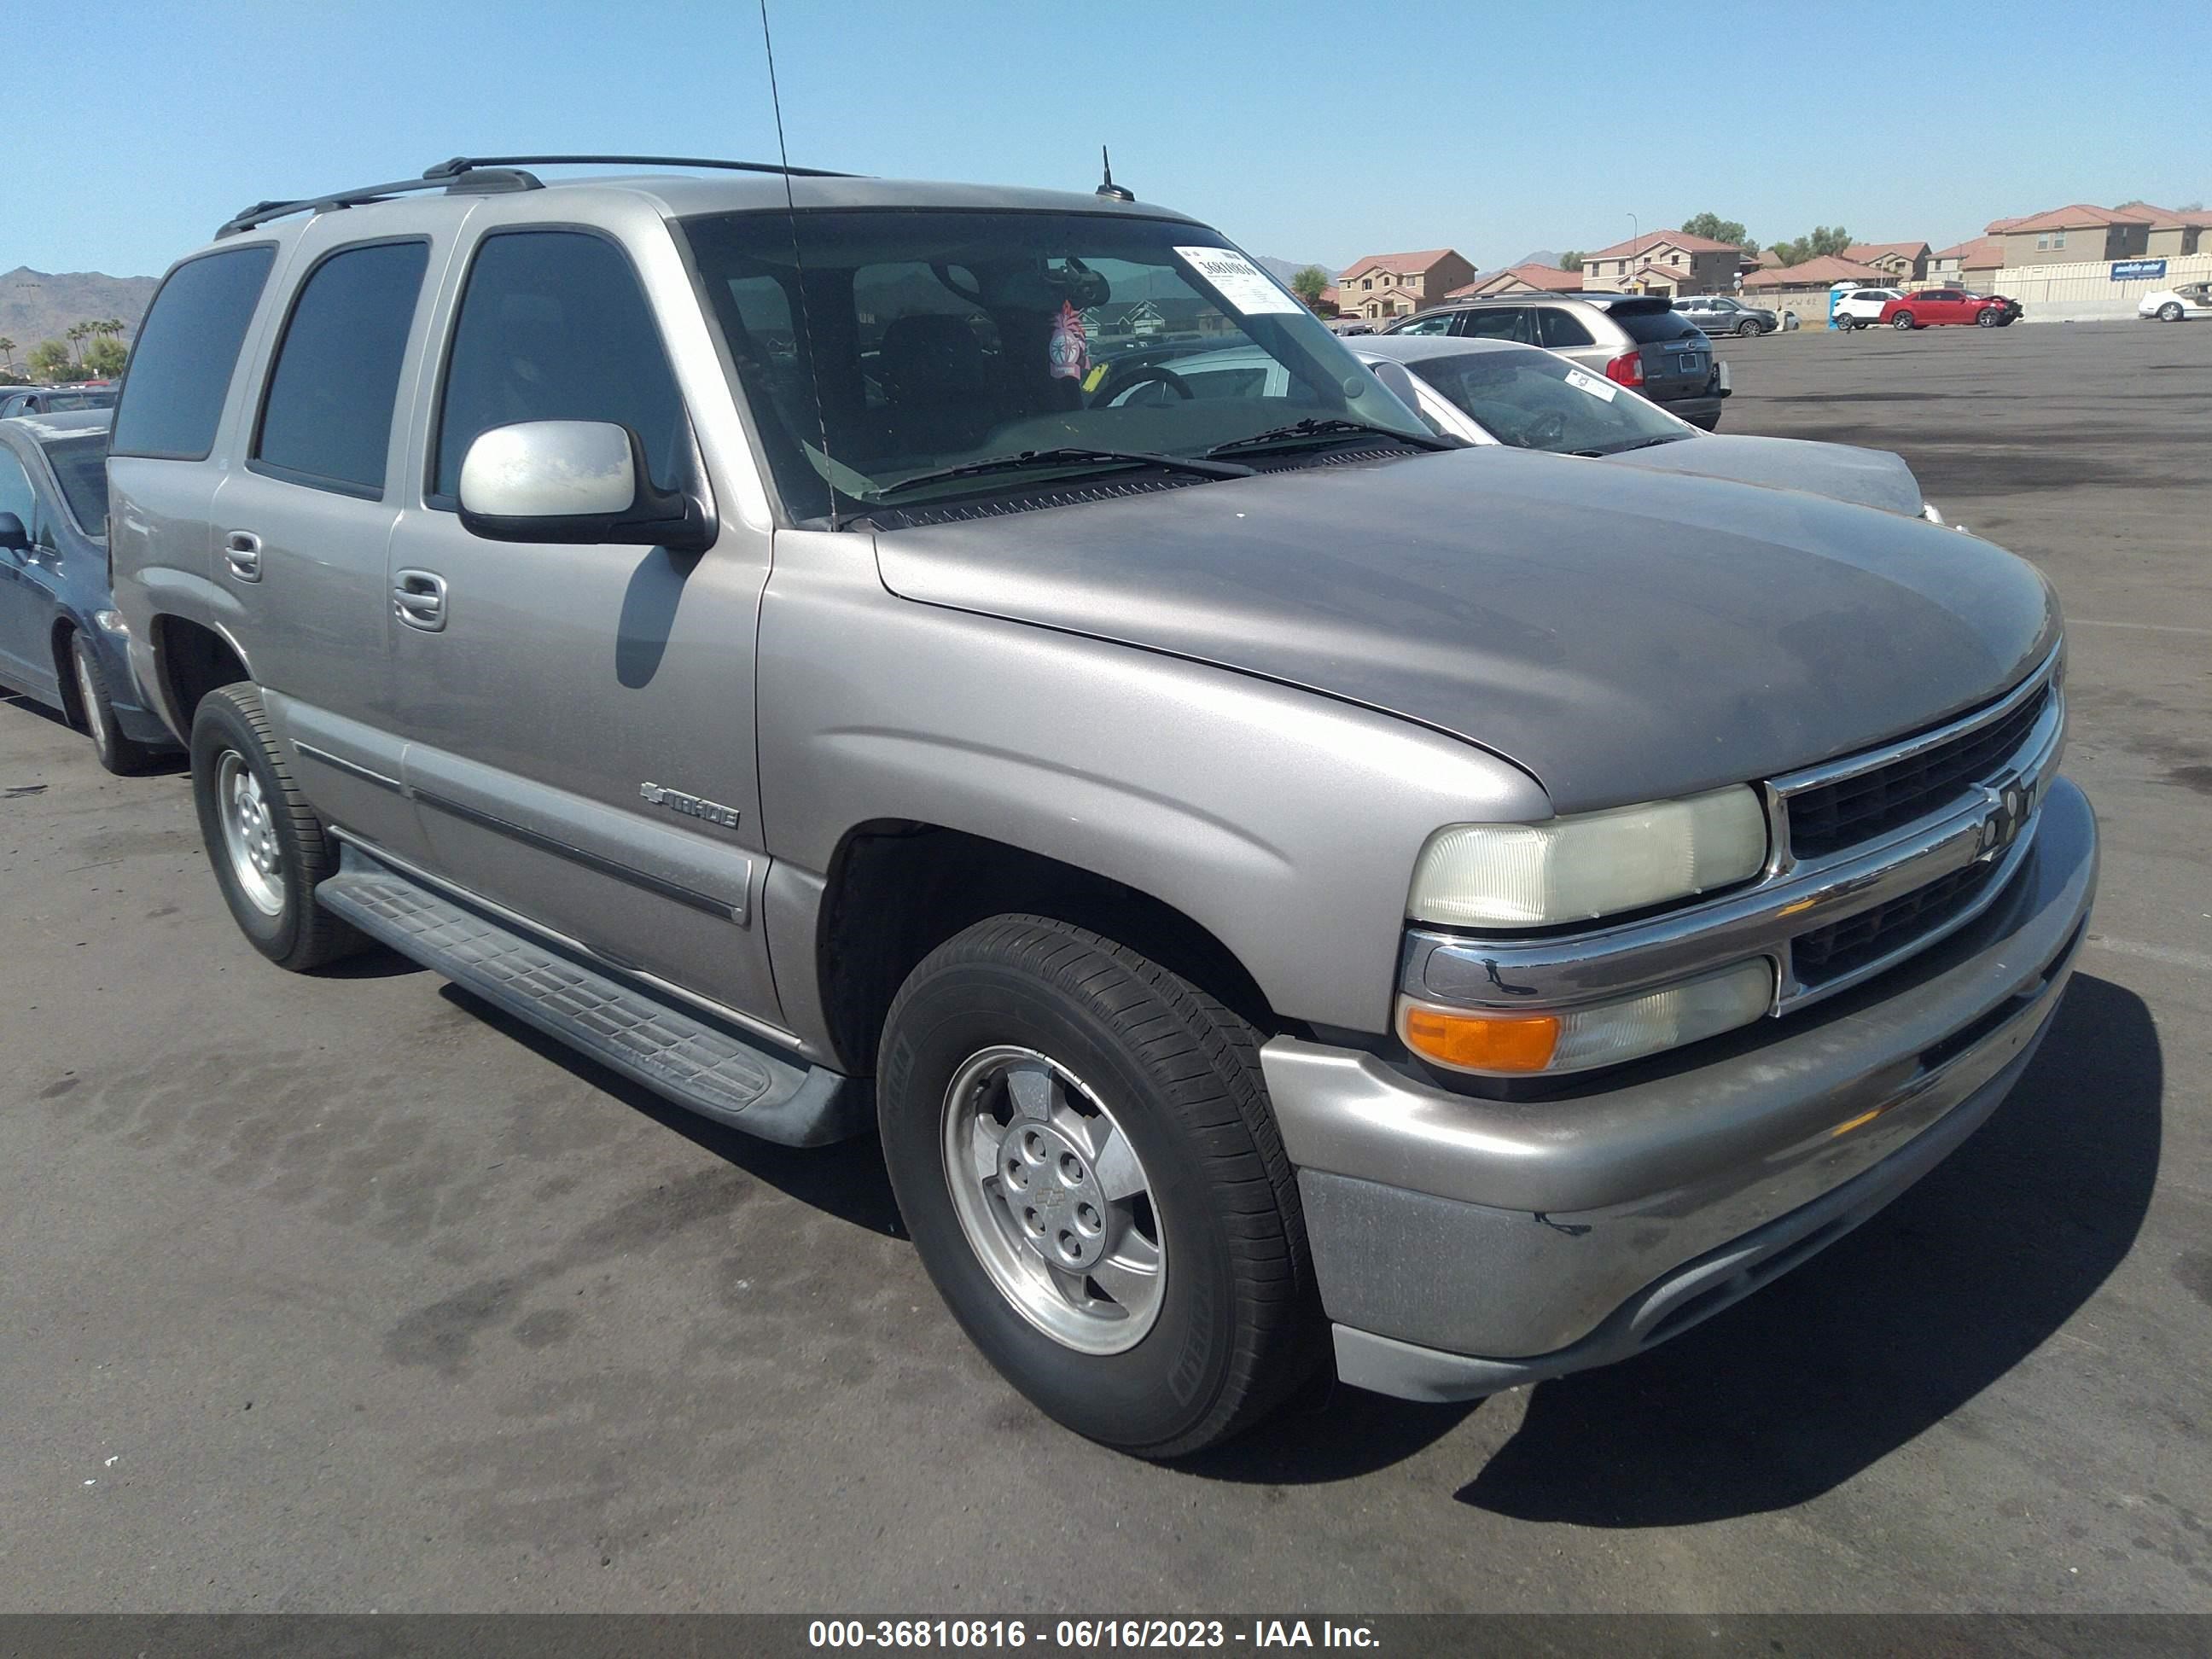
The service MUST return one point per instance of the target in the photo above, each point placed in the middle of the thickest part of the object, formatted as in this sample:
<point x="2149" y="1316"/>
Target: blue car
<point x="61" y="641"/>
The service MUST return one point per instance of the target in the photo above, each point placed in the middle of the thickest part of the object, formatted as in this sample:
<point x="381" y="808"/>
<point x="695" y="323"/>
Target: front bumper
<point x="1463" y="1245"/>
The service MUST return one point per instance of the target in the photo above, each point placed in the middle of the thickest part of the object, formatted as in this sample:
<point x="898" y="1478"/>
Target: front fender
<point x="1284" y="823"/>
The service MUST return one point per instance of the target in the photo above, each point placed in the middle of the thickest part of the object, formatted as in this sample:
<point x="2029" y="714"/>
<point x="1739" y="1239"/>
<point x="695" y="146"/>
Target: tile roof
<point x="1973" y="255"/>
<point x="1681" y="238"/>
<point x="1867" y="252"/>
<point x="2167" y="218"/>
<point x="2074" y="216"/>
<point x="1550" y="278"/>
<point x="1420" y="261"/>
<point x="1822" y="273"/>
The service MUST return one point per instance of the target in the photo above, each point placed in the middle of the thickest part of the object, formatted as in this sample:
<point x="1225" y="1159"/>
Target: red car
<point x="1931" y="307"/>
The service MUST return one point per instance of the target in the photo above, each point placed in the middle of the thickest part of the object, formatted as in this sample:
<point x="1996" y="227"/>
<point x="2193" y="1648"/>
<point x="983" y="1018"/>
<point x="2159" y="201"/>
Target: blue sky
<point x="1496" y="129"/>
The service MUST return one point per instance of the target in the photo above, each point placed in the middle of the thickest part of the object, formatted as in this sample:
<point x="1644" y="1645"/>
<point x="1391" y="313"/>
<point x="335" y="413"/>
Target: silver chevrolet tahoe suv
<point x="1289" y="891"/>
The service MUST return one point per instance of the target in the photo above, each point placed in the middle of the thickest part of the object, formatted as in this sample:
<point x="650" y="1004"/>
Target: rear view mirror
<point x="573" y="482"/>
<point x="14" y="538"/>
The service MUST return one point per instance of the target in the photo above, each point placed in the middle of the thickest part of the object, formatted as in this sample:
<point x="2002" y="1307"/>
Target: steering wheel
<point x="1547" y="428"/>
<point x="1127" y="380"/>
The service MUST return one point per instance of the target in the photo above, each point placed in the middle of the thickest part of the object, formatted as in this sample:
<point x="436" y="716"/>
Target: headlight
<point x="1507" y="1042"/>
<point x="1589" y="865"/>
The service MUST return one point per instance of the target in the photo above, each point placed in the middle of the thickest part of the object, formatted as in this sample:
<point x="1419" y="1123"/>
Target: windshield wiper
<point x="1327" y="427"/>
<point x="1061" y="457"/>
<point x="1647" y="443"/>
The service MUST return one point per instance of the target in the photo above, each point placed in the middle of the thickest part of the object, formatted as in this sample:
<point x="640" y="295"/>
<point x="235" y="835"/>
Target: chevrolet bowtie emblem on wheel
<point x="2010" y="804"/>
<point x="690" y="805"/>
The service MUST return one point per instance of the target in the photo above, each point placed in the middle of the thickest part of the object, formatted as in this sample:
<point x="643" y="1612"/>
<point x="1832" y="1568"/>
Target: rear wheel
<point x="266" y="845"/>
<point x="1082" y="1149"/>
<point x="1902" y="321"/>
<point x="119" y="754"/>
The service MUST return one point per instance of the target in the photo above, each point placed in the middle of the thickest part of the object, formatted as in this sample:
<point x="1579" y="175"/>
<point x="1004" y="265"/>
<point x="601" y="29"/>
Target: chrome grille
<point x="1829" y="953"/>
<point x="1830" y="818"/>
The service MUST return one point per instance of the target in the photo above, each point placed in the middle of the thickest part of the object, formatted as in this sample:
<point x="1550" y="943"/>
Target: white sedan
<point x="1492" y="391"/>
<point x="2172" y="305"/>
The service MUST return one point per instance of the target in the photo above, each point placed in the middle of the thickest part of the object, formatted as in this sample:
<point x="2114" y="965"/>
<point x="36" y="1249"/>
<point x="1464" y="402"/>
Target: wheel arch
<point x="58" y="637"/>
<point x="192" y="659"/>
<point x="897" y="888"/>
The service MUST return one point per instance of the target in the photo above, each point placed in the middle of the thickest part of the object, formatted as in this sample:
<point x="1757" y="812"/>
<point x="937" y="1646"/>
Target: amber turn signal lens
<point x="1485" y="1042"/>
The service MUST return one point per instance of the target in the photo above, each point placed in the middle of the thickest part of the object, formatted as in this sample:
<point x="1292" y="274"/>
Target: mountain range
<point x="43" y="305"/>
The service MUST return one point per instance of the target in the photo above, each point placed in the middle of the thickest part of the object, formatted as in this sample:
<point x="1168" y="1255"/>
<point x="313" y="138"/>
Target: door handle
<point x="241" y="551"/>
<point x="418" y="599"/>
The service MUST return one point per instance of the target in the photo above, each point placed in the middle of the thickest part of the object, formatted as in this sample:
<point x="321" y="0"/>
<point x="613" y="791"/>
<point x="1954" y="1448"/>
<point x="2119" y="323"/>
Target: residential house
<point x="1805" y="289"/>
<point x="2173" y="234"/>
<point x="1521" y="279"/>
<point x="1663" y="262"/>
<point x="2075" y="235"/>
<point x="1905" y="262"/>
<point x="1380" y="286"/>
<point x="1972" y="264"/>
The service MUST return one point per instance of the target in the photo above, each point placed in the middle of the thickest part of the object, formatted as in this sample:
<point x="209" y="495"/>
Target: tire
<point x="2169" y="313"/>
<point x="1902" y="322"/>
<point x="1987" y="317"/>
<point x="1023" y="1007"/>
<point x="278" y="839"/>
<point x="125" y="756"/>
<point x="1751" y="328"/>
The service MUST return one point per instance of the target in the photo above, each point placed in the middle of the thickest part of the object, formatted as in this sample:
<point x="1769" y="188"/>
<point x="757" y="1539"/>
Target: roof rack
<point x="468" y="181"/>
<point x="462" y="164"/>
<point x="489" y="174"/>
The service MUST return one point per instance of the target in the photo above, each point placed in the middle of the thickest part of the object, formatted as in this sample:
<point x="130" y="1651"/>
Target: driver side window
<point x="15" y="493"/>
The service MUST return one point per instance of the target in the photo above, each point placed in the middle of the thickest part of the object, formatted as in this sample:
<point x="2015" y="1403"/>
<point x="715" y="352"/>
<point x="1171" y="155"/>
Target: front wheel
<point x="120" y="755"/>
<point x="1902" y="322"/>
<point x="1083" y="1151"/>
<point x="266" y="844"/>
<point x="1987" y="318"/>
<point x="1751" y="328"/>
<point x="2169" y="313"/>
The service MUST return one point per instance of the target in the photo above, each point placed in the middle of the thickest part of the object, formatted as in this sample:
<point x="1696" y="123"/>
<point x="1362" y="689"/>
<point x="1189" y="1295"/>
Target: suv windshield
<point x="923" y="342"/>
<point x="1533" y="400"/>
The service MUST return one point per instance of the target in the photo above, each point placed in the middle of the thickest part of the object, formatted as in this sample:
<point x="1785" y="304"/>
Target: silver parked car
<point x="1289" y="891"/>
<point x="1488" y="392"/>
<point x="1716" y="314"/>
<point x="1635" y="340"/>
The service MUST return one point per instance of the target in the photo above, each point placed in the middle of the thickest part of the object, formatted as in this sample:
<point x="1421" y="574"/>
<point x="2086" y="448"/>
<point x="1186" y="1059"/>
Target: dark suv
<point x="1636" y="340"/>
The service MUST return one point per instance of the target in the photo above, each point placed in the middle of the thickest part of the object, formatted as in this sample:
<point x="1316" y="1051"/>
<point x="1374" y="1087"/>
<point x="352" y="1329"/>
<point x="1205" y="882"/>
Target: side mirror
<point x="573" y="482"/>
<point x="14" y="538"/>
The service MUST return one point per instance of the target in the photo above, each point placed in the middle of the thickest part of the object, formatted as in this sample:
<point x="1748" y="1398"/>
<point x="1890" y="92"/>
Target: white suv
<point x="1861" y="307"/>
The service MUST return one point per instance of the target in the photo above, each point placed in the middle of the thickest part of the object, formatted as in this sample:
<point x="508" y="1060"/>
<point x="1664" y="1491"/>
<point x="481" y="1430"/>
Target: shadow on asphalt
<point x="1833" y="1366"/>
<point x="846" y="1181"/>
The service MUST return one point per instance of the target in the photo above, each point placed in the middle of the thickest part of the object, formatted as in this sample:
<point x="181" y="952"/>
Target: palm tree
<point x="7" y="352"/>
<point x="77" y="333"/>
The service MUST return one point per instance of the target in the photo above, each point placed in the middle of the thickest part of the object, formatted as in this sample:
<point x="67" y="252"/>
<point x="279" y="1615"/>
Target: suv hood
<point x="1621" y="635"/>
<point x="1872" y="477"/>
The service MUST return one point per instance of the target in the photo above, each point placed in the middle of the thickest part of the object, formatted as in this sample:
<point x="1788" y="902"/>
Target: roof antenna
<point x="1109" y="189"/>
<point x="799" y="264"/>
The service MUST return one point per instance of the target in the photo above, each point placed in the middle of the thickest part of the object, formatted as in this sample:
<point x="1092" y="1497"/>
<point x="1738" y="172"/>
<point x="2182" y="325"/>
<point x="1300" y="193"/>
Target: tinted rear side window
<point x="81" y="464"/>
<point x="328" y="418"/>
<point x="1646" y="327"/>
<point x="554" y="327"/>
<point x="181" y="369"/>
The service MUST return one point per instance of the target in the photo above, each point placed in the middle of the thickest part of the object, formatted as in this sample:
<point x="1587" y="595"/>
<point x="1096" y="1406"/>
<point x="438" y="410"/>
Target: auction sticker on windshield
<point x="1591" y="384"/>
<point x="1237" y="279"/>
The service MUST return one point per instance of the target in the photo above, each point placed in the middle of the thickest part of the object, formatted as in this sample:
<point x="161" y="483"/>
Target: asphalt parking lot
<point x="345" y="1292"/>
